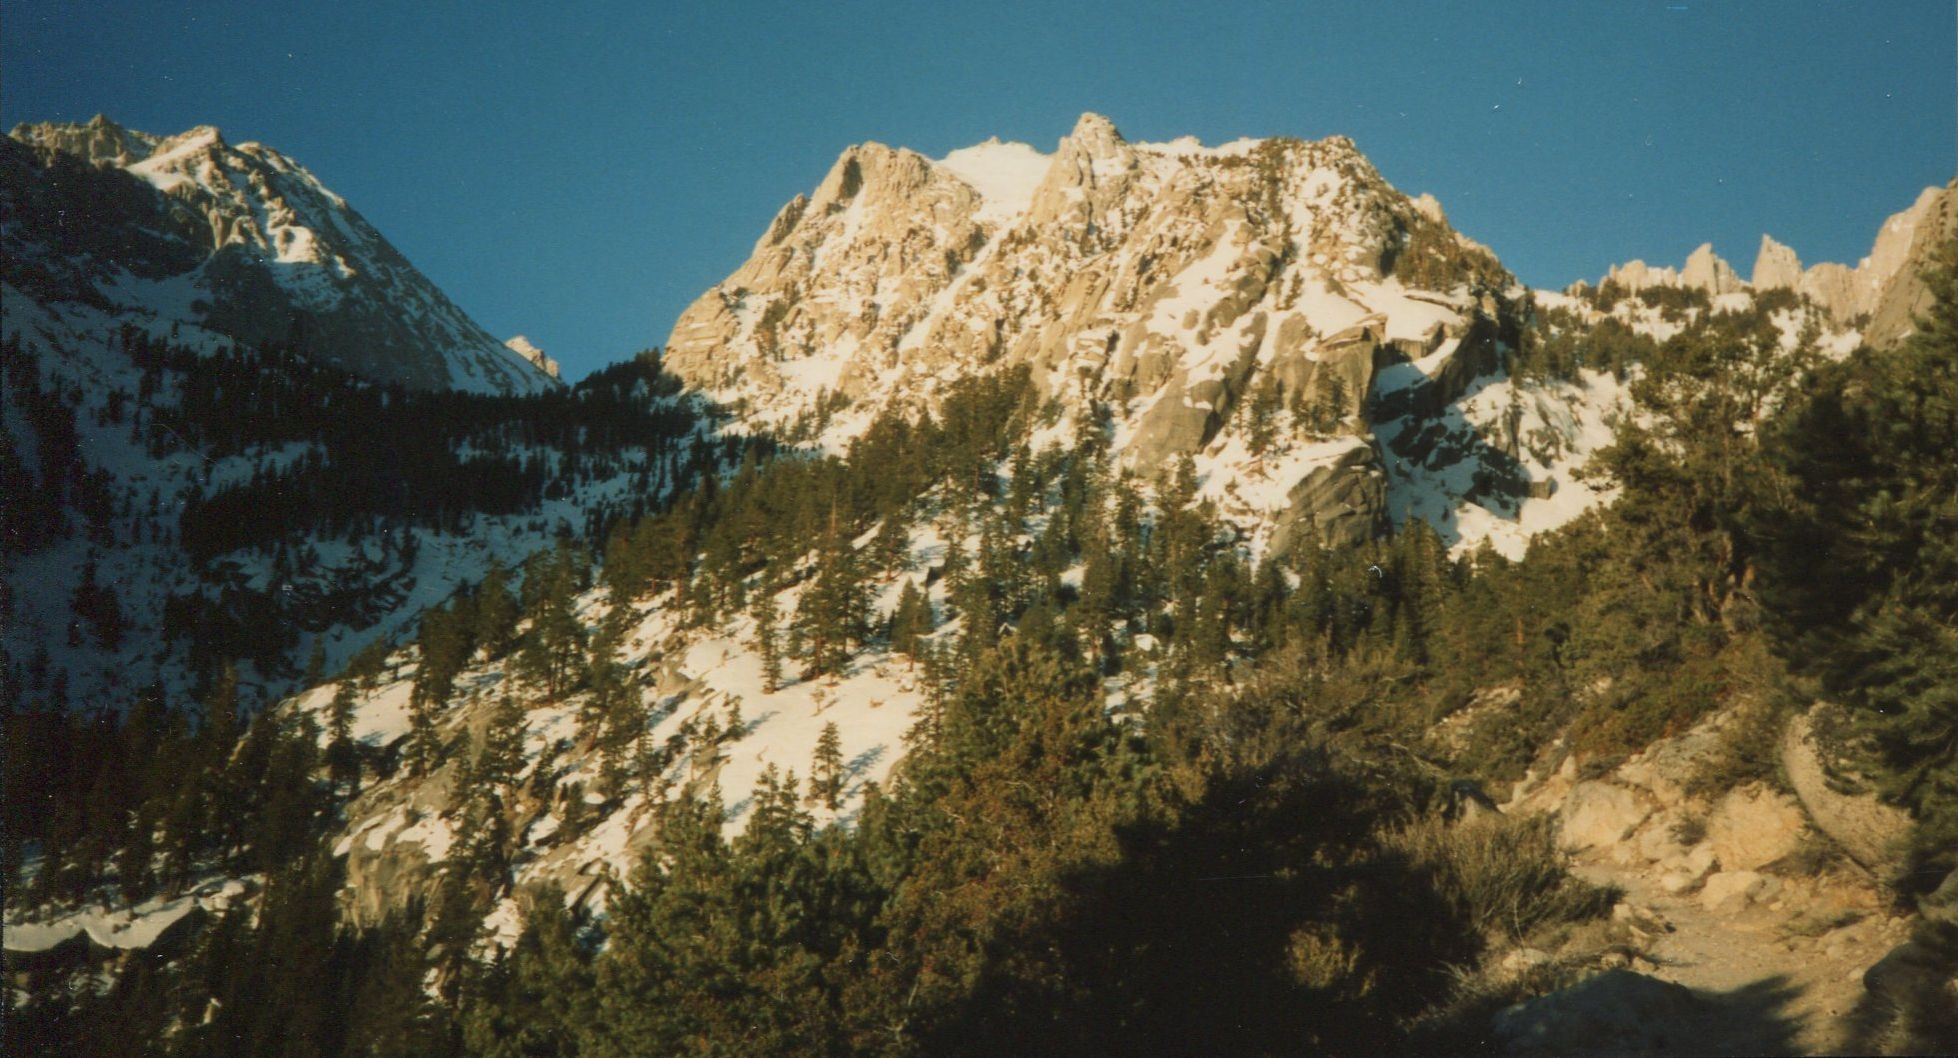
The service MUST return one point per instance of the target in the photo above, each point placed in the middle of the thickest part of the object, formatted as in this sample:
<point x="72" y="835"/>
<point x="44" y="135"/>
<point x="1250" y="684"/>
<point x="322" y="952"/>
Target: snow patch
<point x="1005" y="174"/>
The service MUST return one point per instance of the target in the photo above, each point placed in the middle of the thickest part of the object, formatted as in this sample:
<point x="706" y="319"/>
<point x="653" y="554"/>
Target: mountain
<point x="1332" y="355"/>
<point x="241" y="240"/>
<point x="1027" y="568"/>
<point x="523" y="347"/>
<point x="238" y="427"/>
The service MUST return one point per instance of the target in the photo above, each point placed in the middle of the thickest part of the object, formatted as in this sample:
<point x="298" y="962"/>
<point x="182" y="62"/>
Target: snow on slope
<point x="123" y="928"/>
<point x="78" y="351"/>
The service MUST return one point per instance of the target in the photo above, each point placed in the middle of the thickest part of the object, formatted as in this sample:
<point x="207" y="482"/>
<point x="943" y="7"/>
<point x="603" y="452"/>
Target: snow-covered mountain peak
<point x="525" y="348"/>
<point x="245" y="241"/>
<point x="1160" y="288"/>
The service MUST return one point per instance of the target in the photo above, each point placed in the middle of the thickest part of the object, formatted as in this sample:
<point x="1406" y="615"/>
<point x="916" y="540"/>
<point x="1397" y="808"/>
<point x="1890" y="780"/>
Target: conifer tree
<point x="911" y="620"/>
<point x="556" y="639"/>
<point x="1261" y="415"/>
<point x="766" y="616"/>
<point x="496" y="610"/>
<point x="501" y="758"/>
<point x="315" y="663"/>
<point x="826" y="770"/>
<point x="890" y="548"/>
<point x="424" y="737"/>
<point x="341" y="755"/>
<point x="832" y="613"/>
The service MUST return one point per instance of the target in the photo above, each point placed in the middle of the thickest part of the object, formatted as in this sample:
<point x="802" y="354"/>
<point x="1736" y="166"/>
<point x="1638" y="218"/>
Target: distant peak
<point x="195" y="136"/>
<point x="1095" y="124"/>
<point x="1095" y="135"/>
<point x="1776" y="266"/>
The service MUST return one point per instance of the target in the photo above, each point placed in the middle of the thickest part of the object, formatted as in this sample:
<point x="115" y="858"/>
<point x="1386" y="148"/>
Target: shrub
<point x="1503" y="874"/>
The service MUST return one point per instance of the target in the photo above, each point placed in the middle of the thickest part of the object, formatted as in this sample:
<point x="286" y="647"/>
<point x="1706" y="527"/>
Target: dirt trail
<point x="1781" y="974"/>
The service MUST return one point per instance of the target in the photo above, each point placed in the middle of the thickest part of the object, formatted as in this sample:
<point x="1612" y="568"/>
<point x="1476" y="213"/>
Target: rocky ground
<point x="1744" y="927"/>
<point x="1773" y="965"/>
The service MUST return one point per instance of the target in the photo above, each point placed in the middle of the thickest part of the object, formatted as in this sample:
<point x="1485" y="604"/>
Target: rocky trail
<point x="1746" y="925"/>
<point x="1774" y="971"/>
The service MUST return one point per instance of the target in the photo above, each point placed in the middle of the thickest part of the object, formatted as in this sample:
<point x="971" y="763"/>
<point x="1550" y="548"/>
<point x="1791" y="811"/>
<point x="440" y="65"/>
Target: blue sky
<point x="580" y="172"/>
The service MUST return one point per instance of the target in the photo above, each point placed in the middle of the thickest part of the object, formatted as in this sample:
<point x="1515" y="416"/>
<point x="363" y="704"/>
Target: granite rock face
<point x="1929" y="224"/>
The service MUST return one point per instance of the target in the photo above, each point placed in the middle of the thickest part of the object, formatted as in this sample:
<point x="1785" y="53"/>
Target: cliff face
<point x="1908" y="244"/>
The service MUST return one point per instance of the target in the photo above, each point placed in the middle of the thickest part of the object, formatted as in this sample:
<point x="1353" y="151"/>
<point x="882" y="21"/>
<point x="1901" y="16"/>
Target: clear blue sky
<point x="579" y="173"/>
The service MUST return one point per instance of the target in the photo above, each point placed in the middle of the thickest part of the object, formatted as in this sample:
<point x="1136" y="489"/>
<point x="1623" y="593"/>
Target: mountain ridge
<point x="247" y="241"/>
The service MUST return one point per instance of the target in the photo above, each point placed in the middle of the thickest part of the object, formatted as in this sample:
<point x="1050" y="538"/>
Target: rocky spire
<point x="1705" y="270"/>
<point x="1776" y="267"/>
<point x="1900" y="295"/>
<point x="1091" y="171"/>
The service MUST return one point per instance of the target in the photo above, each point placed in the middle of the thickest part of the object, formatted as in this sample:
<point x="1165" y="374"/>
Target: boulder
<point x="1656" y="843"/>
<point x="1687" y="871"/>
<point x="1600" y="813"/>
<point x="1920" y="976"/>
<point x="1754" y="826"/>
<point x="1864" y="827"/>
<point x="1666" y="768"/>
<point x="1732" y="889"/>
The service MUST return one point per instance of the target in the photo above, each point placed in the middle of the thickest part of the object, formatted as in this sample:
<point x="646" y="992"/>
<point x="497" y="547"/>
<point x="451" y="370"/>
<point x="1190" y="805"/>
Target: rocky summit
<point x="1161" y="288"/>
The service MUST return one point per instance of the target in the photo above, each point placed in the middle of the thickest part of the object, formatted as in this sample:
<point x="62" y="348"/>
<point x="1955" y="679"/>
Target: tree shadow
<point x="1752" y="1019"/>
<point x="1621" y="1012"/>
<point x="863" y="762"/>
<point x="1261" y="918"/>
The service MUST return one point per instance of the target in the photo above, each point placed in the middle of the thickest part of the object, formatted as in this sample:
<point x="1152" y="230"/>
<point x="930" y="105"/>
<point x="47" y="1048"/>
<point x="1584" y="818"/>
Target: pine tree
<point x="342" y="757"/>
<point x="911" y="621"/>
<point x="556" y="639"/>
<point x="315" y="663"/>
<point x="826" y="770"/>
<point x="424" y="737"/>
<point x="890" y="549"/>
<point x="832" y="613"/>
<point x="496" y="610"/>
<point x="767" y="616"/>
<point x="1261" y="412"/>
<point x="501" y="758"/>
